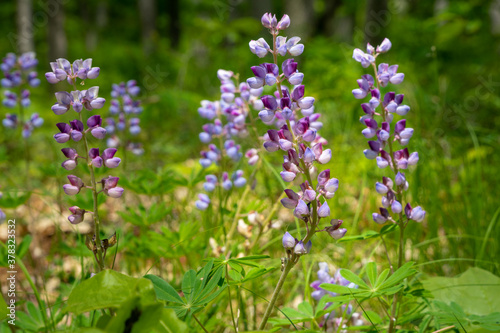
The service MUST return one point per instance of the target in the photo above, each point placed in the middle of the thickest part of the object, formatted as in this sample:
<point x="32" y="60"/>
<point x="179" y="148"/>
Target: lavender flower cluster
<point x="379" y="115"/>
<point x="18" y="74"/>
<point x="293" y="114"/>
<point x="125" y="109"/>
<point x="331" y="322"/>
<point x="227" y="118"/>
<point x="78" y="100"/>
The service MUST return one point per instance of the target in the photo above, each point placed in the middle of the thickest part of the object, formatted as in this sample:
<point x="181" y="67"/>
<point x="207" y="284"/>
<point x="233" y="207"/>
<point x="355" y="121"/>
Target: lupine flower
<point x="110" y="187"/>
<point x="300" y="248"/>
<point x="18" y="72"/>
<point x="74" y="186"/>
<point x="62" y="70"/>
<point x="109" y="159"/>
<point x="296" y="129"/>
<point x="72" y="131"/>
<point x="252" y="155"/>
<point x="417" y="214"/>
<point x="228" y="121"/>
<point x="72" y="160"/>
<point x="334" y="230"/>
<point x="75" y="130"/>
<point x="125" y="109"/>
<point x="288" y="241"/>
<point x="238" y="179"/>
<point x="203" y="201"/>
<point x="2" y="216"/>
<point x="77" y="215"/>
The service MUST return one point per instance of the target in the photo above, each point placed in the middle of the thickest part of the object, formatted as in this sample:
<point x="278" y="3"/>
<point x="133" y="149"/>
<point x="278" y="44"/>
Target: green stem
<point x="276" y="292"/>
<point x="238" y="211"/>
<point x="199" y="323"/>
<point x="230" y="303"/>
<point x="99" y="259"/>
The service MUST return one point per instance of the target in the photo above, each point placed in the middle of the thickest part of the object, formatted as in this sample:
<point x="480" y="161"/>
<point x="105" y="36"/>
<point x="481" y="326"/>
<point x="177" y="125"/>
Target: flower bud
<point x="324" y="210"/>
<point x="288" y="241"/>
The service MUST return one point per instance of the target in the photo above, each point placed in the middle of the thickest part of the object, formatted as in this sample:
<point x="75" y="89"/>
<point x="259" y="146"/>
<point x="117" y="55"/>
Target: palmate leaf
<point x="402" y="273"/>
<point x="246" y="261"/>
<point x="198" y="289"/>
<point x="210" y="286"/>
<point x="303" y="313"/>
<point x="350" y="276"/>
<point x="381" y="285"/>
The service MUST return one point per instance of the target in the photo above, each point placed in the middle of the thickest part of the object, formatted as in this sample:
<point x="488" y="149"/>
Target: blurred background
<point x="448" y="50"/>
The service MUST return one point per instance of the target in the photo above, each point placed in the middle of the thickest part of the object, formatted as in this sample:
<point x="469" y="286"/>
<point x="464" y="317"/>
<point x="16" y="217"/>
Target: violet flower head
<point x="124" y="122"/>
<point x="19" y="74"/>
<point x="77" y="215"/>
<point x="227" y="123"/>
<point x="81" y="129"/>
<point x="379" y="114"/>
<point x="295" y="127"/>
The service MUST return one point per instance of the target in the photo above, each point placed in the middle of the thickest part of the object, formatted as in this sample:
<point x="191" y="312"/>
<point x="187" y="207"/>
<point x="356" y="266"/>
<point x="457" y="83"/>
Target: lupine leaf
<point x="202" y="276"/>
<point x="214" y="280"/>
<point x="350" y="276"/>
<point x="306" y="308"/>
<point x="382" y="277"/>
<point x="164" y="290"/>
<point x="402" y="273"/>
<point x="211" y="297"/>
<point x="188" y="284"/>
<point x="339" y="289"/>
<point x="371" y="271"/>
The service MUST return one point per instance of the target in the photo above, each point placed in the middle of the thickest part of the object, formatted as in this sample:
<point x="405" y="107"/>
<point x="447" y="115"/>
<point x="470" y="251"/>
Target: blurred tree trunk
<point x="325" y="25"/>
<point x="58" y="44"/>
<point x="25" y="26"/>
<point x="95" y="18"/>
<point x="147" y="12"/>
<point x="174" y="27"/>
<point x="301" y="14"/>
<point x="377" y="19"/>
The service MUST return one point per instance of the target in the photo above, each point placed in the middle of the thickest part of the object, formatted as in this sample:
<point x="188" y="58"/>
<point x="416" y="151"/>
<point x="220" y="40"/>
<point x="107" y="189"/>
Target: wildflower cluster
<point x="331" y="321"/>
<point x="19" y="74"/>
<point x="293" y="114"/>
<point x="124" y="110"/>
<point x="296" y="124"/>
<point x="228" y="117"/>
<point x="379" y="115"/>
<point x="76" y="131"/>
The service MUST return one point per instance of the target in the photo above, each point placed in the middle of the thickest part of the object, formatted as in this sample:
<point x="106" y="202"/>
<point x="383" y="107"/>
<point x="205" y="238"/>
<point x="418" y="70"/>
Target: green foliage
<point x="3" y="308"/>
<point x="468" y="301"/>
<point x="134" y="300"/>
<point x="21" y="250"/>
<point x="380" y="285"/>
<point x="149" y="182"/>
<point x="198" y="289"/>
<point x="142" y="216"/>
<point x="14" y="199"/>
